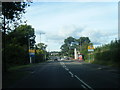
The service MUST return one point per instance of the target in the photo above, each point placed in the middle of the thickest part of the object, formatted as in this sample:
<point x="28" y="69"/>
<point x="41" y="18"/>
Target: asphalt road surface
<point x="68" y="74"/>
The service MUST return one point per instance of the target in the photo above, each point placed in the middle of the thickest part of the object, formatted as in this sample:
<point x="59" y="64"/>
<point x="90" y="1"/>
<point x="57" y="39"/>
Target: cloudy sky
<point x="59" y="20"/>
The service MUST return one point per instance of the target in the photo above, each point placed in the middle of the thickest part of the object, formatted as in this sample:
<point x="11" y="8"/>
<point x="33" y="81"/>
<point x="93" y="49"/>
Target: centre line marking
<point x="71" y="74"/>
<point x="67" y="69"/>
<point x="83" y="86"/>
<point x="84" y="82"/>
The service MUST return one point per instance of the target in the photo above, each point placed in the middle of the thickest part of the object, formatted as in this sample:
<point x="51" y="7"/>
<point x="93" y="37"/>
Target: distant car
<point x="62" y="59"/>
<point x="55" y="59"/>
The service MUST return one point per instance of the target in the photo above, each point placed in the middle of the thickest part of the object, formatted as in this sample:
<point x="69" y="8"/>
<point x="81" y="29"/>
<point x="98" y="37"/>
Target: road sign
<point x="90" y="48"/>
<point x="31" y="54"/>
<point x="31" y="51"/>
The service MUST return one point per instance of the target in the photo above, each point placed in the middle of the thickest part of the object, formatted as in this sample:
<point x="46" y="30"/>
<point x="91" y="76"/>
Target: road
<point x="68" y="74"/>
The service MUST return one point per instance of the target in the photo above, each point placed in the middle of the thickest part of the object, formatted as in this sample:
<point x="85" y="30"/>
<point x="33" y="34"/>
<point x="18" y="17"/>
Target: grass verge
<point x="89" y="61"/>
<point x="19" y="67"/>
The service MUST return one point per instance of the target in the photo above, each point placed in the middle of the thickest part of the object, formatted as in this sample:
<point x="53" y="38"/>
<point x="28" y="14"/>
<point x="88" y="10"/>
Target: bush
<point x="108" y="54"/>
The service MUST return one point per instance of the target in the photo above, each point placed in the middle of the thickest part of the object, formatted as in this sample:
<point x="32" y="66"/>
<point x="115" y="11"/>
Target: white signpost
<point x="75" y="54"/>
<point x="32" y="54"/>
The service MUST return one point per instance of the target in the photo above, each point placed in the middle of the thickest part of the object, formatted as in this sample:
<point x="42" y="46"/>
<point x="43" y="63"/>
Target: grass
<point x="19" y="67"/>
<point x="106" y="63"/>
<point x="89" y="61"/>
<point x="22" y="66"/>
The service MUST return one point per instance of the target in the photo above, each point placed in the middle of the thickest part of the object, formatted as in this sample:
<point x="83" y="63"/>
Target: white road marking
<point x="71" y="74"/>
<point x="84" y="82"/>
<point x="83" y="86"/>
<point x="67" y="69"/>
<point x="64" y="65"/>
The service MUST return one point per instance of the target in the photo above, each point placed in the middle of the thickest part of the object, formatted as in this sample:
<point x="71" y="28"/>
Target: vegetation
<point x="41" y="53"/>
<point x="16" y="51"/>
<point x="81" y="44"/>
<point x="108" y="54"/>
<point x="18" y="37"/>
<point x="12" y="14"/>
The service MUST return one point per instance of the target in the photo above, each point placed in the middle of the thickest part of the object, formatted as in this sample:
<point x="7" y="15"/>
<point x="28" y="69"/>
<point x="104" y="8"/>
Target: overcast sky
<point x="59" y="20"/>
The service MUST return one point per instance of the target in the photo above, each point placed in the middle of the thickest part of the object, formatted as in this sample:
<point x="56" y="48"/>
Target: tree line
<point x="70" y="43"/>
<point x="18" y="37"/>
<point x="108" y="53"/>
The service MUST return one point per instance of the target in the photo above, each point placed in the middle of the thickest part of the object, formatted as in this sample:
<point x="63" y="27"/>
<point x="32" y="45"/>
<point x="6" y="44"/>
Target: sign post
<point x="90" y="49"/>
<point x="31" y="54"/>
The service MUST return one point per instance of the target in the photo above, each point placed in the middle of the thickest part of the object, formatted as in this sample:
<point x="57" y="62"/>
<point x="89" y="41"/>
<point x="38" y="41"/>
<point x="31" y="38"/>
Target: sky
<point x="59" y="20"/>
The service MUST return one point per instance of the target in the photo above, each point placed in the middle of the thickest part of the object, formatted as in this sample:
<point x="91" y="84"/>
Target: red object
<point x="80" y="57"/>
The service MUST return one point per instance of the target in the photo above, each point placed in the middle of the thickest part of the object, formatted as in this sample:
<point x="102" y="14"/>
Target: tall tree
<point x="41" y="53"/>
<point x="70" y="43"/>
<point x="17" y="45"/>
<point x="12" y="13"/>
<point x="66" y="47"/>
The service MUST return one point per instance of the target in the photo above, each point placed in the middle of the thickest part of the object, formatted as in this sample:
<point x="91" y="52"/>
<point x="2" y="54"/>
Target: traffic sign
<point x="31" y="50"/>
<point x="90" y="48"/>
<point x="32" y="54"/>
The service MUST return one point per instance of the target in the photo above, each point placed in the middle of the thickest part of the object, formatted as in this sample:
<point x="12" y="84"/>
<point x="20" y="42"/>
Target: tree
<point x="69" y="40"/>
<point x="70" y="43"/>
<point x="41" y="53"/>
<point x="110" y="52"/>
<point x="41" y="46"/>
<point x="12" y="13"/>
<point x="66" y="47"/>
<point x="17" y="45"/>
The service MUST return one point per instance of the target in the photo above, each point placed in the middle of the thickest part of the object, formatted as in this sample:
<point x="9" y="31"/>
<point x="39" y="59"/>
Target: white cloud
<point x="61" y="20"/>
